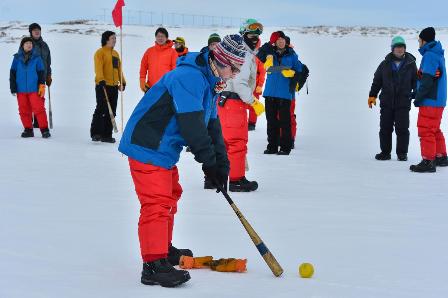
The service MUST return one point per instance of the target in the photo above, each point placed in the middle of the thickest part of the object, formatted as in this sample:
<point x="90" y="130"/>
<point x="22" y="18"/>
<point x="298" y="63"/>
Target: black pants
<point x="279" y="119"/>
<point x="101" y="122"/>
<point x="399" y="118"/>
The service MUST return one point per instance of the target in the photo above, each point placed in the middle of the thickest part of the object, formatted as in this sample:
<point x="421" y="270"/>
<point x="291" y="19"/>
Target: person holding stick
<point x="108" y="74"/>
<point x="179" y="110"/>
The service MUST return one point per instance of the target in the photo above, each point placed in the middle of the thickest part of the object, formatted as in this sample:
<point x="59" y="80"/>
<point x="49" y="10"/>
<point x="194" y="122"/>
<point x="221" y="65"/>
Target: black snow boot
<point x="284" y="152"/>
<point x="251" y="127"/>
<point x="174" y="254"/>
<point x="271" y="151"/>
<point x="208" y="184"/>
<point x="96" y="138"/>
<point x="108" y="140"/>
<point x="45" y="133"/>
<point x="161" y="272"/>
<point x="243" y="185"/>
<point x="442" y="161"/>
<point x="425" y="166"/>
<point x="402" y="157"/>
<point x="27" y="133"/>
<point x="383" y="156"/>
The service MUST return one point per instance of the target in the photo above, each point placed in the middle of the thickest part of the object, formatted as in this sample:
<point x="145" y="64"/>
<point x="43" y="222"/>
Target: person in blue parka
<point x="283" y="66"/>
<point x="179" y="110"/>
<point x="431" y="100"/>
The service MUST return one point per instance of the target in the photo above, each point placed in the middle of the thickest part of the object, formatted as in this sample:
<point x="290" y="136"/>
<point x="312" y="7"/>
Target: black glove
<point x="123" y="86"/>
<point x="102" y="84"/>
<point x="216" y="175"/>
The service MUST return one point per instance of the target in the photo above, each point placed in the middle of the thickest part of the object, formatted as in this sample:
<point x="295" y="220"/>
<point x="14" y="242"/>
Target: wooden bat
<point x="259" y="244"/>
<point x="111" y="114"/>
<point x="50" y="112"/>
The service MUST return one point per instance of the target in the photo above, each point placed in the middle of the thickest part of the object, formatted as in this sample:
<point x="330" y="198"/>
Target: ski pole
<point x="50" y="112"/>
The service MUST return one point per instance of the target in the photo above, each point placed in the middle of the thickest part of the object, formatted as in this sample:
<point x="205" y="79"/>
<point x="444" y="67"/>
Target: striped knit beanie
<point x="230" y="50"/>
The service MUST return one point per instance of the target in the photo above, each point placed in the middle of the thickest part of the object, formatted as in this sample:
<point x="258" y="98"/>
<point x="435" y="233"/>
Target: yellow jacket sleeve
<point x="99" y="74"/>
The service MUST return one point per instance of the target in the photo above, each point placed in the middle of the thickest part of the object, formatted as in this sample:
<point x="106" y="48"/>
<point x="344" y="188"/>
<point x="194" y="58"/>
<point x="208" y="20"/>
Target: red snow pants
<point x="432" y="141"/>
<point x="29" y="104"/>
<point x="158" y="191"/>
<point x="233" y="117"/>
<point x="252" y="116"/>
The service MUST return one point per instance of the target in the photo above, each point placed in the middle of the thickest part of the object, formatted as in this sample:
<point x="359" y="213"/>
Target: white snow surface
<point x="68" y="210"/>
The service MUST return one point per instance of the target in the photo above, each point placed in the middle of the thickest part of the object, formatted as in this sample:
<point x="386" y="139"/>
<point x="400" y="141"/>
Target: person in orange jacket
<point x="179" y="46"/>
<point x="157" y="60"/>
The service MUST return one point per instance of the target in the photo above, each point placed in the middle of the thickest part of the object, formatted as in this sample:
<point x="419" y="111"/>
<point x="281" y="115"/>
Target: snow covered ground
<point x="68" y="211"/>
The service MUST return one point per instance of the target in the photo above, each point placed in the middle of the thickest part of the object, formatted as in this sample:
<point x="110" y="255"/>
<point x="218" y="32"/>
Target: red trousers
<point x="233" y="117"/>
<point x="432" y="141"/>
<point x="252" y="116"/>
<point x="158" y="191"/>
<point x="29" y="104"/>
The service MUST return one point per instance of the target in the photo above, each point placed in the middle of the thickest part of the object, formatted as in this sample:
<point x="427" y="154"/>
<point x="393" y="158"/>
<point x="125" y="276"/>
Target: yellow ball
<point x="306" y="270"/>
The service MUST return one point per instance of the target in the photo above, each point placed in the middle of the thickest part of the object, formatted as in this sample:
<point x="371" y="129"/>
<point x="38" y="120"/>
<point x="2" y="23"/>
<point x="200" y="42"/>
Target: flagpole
<point x="121" y="77"/>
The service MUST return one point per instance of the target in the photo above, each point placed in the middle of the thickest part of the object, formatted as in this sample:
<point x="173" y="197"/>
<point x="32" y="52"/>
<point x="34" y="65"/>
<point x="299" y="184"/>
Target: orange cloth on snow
<point x="157" y="61"/>
<point x="221" y="265"/>
<point x="187" y="262"/>
<point x="229" y="265"/>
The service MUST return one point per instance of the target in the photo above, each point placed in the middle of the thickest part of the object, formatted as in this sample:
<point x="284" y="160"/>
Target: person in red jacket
<point x="179" y="46"/>
<point x="157" y="60"/>
<point x="261" y="76"/>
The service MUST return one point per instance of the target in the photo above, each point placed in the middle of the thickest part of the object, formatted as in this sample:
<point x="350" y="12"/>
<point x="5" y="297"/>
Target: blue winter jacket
<point x="180" y="110"/>
<point x="26" y="75"/>
<point x="432" y="84"/>
<point x="276" y="84"/>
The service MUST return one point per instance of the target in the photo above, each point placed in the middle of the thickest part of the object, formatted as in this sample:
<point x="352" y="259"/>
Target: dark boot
<point x="442" y="161"/>
<point x="108" y="140"/>
<point x="425" y="166"/>
<point x="271" y="151"/>
<point x="96" y="138"/>
<point x="402" y="157"/>
<point x="27" y="133"/>
<point x="45" y="133"/>
<point x="383" y="156"/>
<point x="251" y="126"/>
<point x="174" y="254"/>
<point x="161" y="272"/>
<point x="284" y="152"/>
<point x="243" y="185"/>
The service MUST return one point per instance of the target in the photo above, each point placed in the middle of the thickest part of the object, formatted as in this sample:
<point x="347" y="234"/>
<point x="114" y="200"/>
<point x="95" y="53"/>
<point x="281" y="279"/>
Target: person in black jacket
<point x="42" y="50"/>
<point x="396" y="77"/>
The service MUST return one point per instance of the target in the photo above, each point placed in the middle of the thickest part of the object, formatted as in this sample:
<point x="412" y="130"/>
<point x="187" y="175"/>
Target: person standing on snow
<point x="213" y="40"/>
<point x="179" y="46"/>
<point x="41" y="48"/>
<point x="431" y="101"/>
<point x="232" y="110"/>
<point x="157" y="60"/>
<point x="396" y="78"/>
<point x="107" y="79"/>
<point x="261" y="77"/>
<point x="178" y="111"/>
<point x="283" y="75"/>
<point x="27" y="81"/>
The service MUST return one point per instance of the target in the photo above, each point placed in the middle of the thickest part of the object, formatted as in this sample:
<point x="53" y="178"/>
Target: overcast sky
<point x="397" y="13"/>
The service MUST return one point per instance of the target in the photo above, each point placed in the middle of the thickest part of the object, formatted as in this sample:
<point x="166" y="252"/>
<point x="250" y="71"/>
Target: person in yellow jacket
<point x="108" y="78"/>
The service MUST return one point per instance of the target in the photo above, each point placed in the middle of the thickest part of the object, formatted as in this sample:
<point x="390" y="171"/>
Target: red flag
<point x="117" y="13"/>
